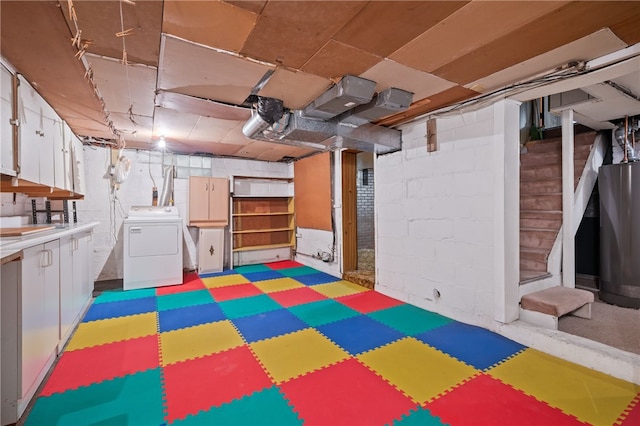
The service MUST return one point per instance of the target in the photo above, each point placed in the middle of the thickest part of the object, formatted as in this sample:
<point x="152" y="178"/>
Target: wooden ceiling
<point x="443" y="51"/>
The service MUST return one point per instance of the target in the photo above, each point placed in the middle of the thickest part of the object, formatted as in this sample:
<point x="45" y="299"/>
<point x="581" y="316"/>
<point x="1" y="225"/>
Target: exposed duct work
<point x="351" y="91"/>
<point x="625" y="134"/>
<point x="331" y="121"/>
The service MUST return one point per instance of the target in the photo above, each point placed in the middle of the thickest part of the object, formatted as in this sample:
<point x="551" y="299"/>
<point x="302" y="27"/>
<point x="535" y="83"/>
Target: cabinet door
<point x="210" y="250"/>
<point x="6" y="114"/>
<point x="29" y="146"/>
<point x="58" y="155"/>
<point x="46" y="151"/>
<point x="67" y="308"/>
<point x="198" y="198"/>
<point x="77" y="154"/>
<point x="67" y="148"/>
<point x="219" y="200"/>
<point x="51" y="294"/>
<point x="82" y="282"/>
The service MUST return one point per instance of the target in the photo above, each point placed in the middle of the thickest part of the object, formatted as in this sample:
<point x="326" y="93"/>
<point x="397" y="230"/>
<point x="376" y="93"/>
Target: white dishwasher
<point x="152" y="247"/>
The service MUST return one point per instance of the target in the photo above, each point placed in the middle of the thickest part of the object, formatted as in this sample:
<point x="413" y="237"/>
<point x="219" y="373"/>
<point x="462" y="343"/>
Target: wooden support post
<point x="568" y="240"/>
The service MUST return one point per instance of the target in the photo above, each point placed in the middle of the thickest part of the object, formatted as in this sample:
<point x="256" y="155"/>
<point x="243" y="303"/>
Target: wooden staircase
<point x="541" y="199"/>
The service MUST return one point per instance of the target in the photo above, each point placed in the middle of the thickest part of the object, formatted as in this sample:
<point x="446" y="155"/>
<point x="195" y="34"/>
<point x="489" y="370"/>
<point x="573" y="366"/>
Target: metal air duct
<point x="385" y="103"/>
<point x="349" y="92"/>
<point x="268" y="111"/>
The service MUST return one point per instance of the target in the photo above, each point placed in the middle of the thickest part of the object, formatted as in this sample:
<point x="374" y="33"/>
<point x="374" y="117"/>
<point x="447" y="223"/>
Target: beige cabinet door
<point x="198" y="199"/>
<point x="219" y="200"/>
<point x="210" y="250"/>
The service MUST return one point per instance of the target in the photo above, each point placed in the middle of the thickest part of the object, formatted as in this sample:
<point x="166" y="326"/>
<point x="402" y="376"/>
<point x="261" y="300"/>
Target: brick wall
<point x="365" y="190"/>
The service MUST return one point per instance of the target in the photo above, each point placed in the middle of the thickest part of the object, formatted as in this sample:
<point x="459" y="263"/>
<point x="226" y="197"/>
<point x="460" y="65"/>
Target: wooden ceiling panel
<point x="206" y="73"/>
<point x="51" y="67"/>
<point x="211" y="23"/>
<point x="253" y="6"/>
<point x="255" y="149"/>
<point x="236" y="137"/>
<point x="467" y="29"/>
<point x="173" y="124"/>
<point x="99" y="21"/>
<point x="296" y="89"/>
<point x="211" y="129"/>
<point x="140" y="129"/>
<point x="592" y="46"/>
<point x="123" y="87"/>
<point x="335" y="60"/>
<point x="384" y="26"/>
<point x="576" y="20"/>
<point x="439" y="100"/>
<point x="392" y="74"/>
<point x="291" y="32"/>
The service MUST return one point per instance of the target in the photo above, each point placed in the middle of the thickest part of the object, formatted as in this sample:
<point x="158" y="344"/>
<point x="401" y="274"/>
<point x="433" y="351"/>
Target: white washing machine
<point x="152" y="247"/>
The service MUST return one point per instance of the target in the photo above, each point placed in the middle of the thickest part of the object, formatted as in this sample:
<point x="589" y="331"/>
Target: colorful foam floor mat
<point x="285" y="344"/>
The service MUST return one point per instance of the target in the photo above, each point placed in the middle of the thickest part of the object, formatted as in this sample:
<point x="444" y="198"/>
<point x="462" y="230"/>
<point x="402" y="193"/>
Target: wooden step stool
<point x="544" y="307"/>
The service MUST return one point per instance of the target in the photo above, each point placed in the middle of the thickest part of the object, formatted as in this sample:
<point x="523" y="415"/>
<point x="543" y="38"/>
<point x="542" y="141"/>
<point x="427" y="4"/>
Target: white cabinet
<point x="59" y="155"/>
<point x="210" y="250"/>
<point x="7" y="165"/>
<point x="76" y="281"/>
<point x="38" y="129"/>
<point x="77" y="165"/>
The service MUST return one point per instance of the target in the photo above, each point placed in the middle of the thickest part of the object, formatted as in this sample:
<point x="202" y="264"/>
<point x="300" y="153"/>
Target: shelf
<point x="253" y="231"/>
<point x="263" y="247"/>
<point x="262" y="214"/>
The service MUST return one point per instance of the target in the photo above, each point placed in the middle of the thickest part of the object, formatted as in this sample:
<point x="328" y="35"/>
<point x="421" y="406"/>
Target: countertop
<point x="9" y="246"/>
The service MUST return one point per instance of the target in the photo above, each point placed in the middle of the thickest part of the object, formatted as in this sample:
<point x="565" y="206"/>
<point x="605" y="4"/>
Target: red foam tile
<point x="485" y="400"/>
<point x="296" y="296"/>
<point x="87" y="366"/>
<point x="346" y="393"/>
<point x="283" y="264"/>
<point x="201" y="383"/>
<point x="368" y="301"/>
<point x="190" y="282"/>
<point x="633" y="416"/>
<point x="231" y="292"/>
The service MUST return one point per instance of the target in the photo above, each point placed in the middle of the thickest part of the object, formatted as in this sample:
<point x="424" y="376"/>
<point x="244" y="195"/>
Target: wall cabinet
<point x="7" y="163"/>
<point x="210" y="250"/>
<point x="208" y="201"/>
<point x="77" y="166"/>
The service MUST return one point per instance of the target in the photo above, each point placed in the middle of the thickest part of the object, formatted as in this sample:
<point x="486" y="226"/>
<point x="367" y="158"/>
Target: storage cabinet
<point x="262" y="223"/>
<point x="208" y="201"/>
<point x="77" y="166"/>
<point x="7" y="164"/>
<point x="210" y="250"/>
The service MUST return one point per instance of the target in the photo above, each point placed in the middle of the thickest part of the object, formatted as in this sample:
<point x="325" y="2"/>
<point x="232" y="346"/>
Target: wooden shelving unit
<point x="262" y="222"/>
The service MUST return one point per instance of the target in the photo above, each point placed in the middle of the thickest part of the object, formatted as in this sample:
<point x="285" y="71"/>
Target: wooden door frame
<point x="349" y="211"/>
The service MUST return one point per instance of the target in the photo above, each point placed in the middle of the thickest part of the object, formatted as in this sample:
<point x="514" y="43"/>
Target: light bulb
<point x="162" y="143"/>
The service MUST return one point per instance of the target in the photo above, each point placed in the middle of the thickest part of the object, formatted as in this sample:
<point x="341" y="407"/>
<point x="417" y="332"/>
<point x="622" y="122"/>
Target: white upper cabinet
<point x="7" y="165"/>
<point x="77" y="160"/>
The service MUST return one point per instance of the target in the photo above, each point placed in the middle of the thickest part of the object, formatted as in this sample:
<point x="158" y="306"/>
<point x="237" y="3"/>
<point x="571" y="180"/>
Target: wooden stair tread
<point x="525" y="249"/>
<point x="530" y="276"/>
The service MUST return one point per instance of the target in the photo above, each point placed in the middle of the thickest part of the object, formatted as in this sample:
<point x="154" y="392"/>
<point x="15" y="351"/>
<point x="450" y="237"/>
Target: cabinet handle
<point x="135" y="229"/>
<point x="74" y="244"/>
<point x="49" y="258"/>
<point x="211" y="250"/>
<point x="206" y="186"/>
<point x="213" y="187"/>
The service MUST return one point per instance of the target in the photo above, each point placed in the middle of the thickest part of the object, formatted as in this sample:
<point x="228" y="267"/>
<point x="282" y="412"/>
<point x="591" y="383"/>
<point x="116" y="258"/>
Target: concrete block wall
<point x="365" y="197"/>
<point x="110" y="209"/>
<point x="435" y="217"/>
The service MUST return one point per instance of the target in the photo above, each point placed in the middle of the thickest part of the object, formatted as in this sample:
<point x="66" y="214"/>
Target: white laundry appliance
<point x="152" y="247"/>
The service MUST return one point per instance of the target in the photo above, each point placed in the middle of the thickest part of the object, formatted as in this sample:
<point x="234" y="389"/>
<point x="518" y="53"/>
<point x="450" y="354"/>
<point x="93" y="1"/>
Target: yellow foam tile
<point x="110" y="330"/>
<point x="224" y="281"/>
<point x="295" y="354"/>
<point x="278" y="284"/>
<point x="339" y="289"/>
<point x="591" y="396"/>
<point x="197" y="341"/>
<point x="417" y="369"/>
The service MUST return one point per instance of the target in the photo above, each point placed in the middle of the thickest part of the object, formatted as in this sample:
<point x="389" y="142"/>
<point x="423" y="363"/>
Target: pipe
<point x="626" y="132"/>
<point x="166" y="197"/>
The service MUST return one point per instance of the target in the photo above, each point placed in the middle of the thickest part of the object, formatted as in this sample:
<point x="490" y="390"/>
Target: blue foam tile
<point x="218" y="274"/>
<point x="120" y="308"/>
<point x="262" y="275"/>
<point x="268" y="324"/>
<point x="360" y="334"/>
<point x="315" y="279"/>
<point x="475" y="346"/>
<point x="189" y="316"/>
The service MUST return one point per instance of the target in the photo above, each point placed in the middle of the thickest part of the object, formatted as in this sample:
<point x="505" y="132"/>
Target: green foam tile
<point x="421" y="417"/>
<point x="251" y="268"/>
<point x="322" y="312"/>
<point x="267" y="407"/>
<point x="248" y="306"/>
<point x="409" y="319"/>
<point x="296" y="272"/>
<point x="131" y="400"/>
<point x="182" y="300"/>
<point x="119" y="295"/>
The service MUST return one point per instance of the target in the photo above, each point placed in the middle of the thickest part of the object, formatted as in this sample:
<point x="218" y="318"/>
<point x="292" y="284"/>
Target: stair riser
<point x="537" y="239"/>
<point x="531" y="265"/>
<point x="579" y="140"/>
<point x="540" y="223"/>
<point x="541" y="202"/>
<point x="581" y="149"/>
<point x="535" y="256"/>
<point x="547" y="172"/>
<point x="541" y="186"/>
